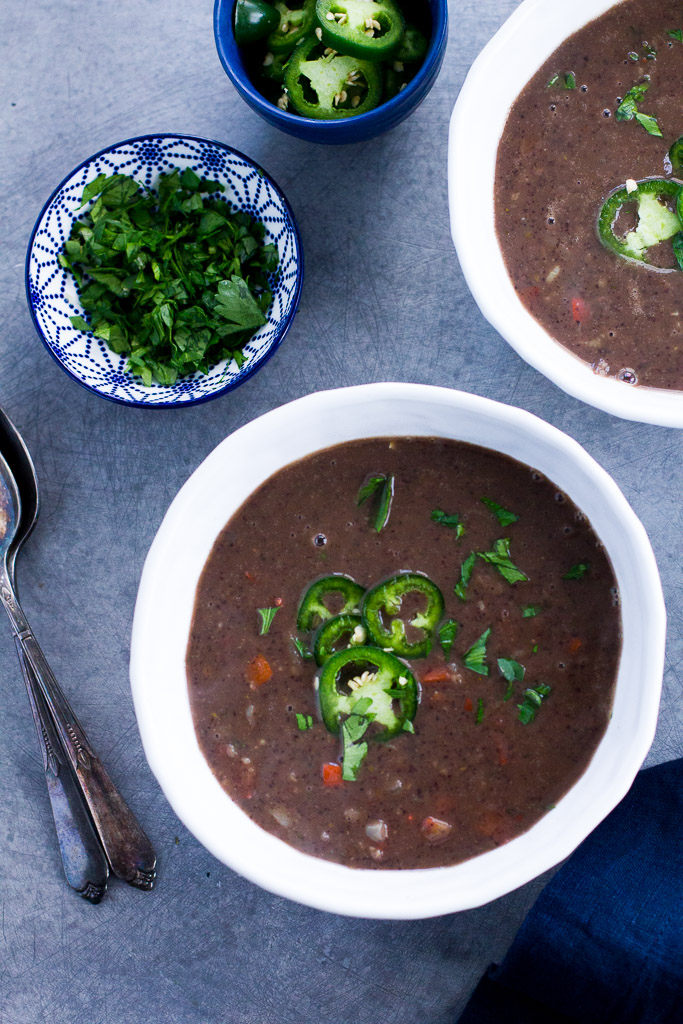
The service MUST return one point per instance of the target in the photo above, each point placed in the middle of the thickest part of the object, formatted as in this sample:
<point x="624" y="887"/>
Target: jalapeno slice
<point x="413" y="46"/>
<point x="313" y="610"/>
<point x="381" y="610"/>
<point x="296" y="21"/>
<point x="366" y="672"/>
<point x="254" y="20"/>
<point x="657" y="222"/>
<point x="368" y="29"/>
<point x="340" y="629"/>
<point x="332" y="86"/>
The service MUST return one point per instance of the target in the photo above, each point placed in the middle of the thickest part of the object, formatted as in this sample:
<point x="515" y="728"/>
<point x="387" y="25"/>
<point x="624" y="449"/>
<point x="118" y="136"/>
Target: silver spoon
<point x="127" y="848"/>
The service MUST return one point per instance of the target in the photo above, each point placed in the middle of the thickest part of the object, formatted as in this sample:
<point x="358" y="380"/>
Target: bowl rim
<point x="271" y="112"/>
<point x="275" y="343"/>
<point x="166" y="726"/>
<point x="518" y="49"/>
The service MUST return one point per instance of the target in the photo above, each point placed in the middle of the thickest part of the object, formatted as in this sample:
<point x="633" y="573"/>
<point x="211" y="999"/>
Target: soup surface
<point x="495" y="742"/>
<point x="568" y="143"/>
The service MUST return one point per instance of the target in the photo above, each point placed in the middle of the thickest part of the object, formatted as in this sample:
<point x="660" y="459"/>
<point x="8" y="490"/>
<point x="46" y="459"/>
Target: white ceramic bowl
<point x="164" y="610"/>
<point x="494" y="81"/>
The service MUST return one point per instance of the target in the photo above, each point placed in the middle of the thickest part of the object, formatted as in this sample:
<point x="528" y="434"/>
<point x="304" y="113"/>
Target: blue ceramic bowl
<point x="353" y="129"/>
<point x="53" y="297"/>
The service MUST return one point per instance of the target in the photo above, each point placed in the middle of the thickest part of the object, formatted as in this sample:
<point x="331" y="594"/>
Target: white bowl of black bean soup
<point x="397" y="650"/>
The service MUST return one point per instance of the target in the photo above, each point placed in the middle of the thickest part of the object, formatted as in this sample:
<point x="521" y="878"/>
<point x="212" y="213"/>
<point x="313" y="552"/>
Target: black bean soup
<point x="476" y="683"/>
<point x="604" y="113"/>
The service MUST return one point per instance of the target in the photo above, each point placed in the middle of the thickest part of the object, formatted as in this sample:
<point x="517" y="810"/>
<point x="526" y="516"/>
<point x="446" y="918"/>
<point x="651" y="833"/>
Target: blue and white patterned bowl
<point x="53" y="296"/>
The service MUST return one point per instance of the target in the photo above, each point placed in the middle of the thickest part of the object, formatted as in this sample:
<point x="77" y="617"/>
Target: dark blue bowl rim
<point x="397" y="104"/>
<point x="274" y="345"/>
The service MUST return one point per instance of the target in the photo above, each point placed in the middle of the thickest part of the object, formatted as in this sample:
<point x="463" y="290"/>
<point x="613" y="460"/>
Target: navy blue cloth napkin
<point x="603" y="944"/>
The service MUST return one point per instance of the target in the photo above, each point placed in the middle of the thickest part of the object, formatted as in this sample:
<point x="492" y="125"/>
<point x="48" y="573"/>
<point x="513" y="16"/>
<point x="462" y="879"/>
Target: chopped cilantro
<point x="511" y="669"/>
<point x="475" y="658"/>
<point x="534" y="649"/>
<point x="577" y="572"/>
<point x="304" y="722"/>
<point x="504" y="517"/>
<point x="353" y="729"/>
<point x="500" y="558"/>
<point x="533" y="698"/>
<point x="171" y="277"/>
<point x="676" y="33"/>
<point x="368" y="489"/>
<point x="374" y="484"/>
<point x="408" y="726"/>
<point x="513" y="672"/>
<point x="267" y="616"/>
<point x="568" y="80"/>
<point x="453" y="521"/>
<point x="301" y="649"/>
<point x="628" y="107"/>
<point x="530" y="611"/>
<point x="649" y="124"/>
<point x="447" y="635"/>
<point x="465" y="576"/>
<point x="480" y="711"/>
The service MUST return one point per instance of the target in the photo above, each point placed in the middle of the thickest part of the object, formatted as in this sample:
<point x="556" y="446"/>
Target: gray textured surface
<point x="383" y="299"/>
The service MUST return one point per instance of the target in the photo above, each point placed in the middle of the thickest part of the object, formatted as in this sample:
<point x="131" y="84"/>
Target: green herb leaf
<point x="353" y="729"/>
<point x="408" y="726"/>
<point x="439" y="516"/>
<point x="649" y="124"/>
<point x="385" y="503"/>
<point x="500" y="558"/>
<point x="80" y="324"/>
<point x="677" y="245"/>
<point x="530" y="611"/>
<point x="301" y="649"/>
<point x="553" y="81"/>
<point x="368" y="489"/>
<point x="570" y="80"/>
<point x="533" y="698"/>
<point x="374" y="484"/>
<point x="236" y="304"/>
<point x="628" y="107"/>
<point x="480" y="711"/>
<point x="504" y="517"/>
<point x="577" y="572"/>
<point x="447" y="636"/>
<point x="510" y="689"/>
<point x="267" y="616"/>
<point x="676" y="33"/>
<point x="534" y="649"/>
<point x="466" y="568"/>
<point x="475" y="658"/>
<point x="304" y="722"/>
<point x="511" y="670"/>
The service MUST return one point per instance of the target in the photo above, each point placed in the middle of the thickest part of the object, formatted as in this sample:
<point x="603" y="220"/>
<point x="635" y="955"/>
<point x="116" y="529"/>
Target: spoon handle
<point x="85" y="865"/>
<point x="129" y="851"/>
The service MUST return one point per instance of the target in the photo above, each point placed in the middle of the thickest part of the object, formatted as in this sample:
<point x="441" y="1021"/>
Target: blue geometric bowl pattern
<point x="52" y="293"/>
